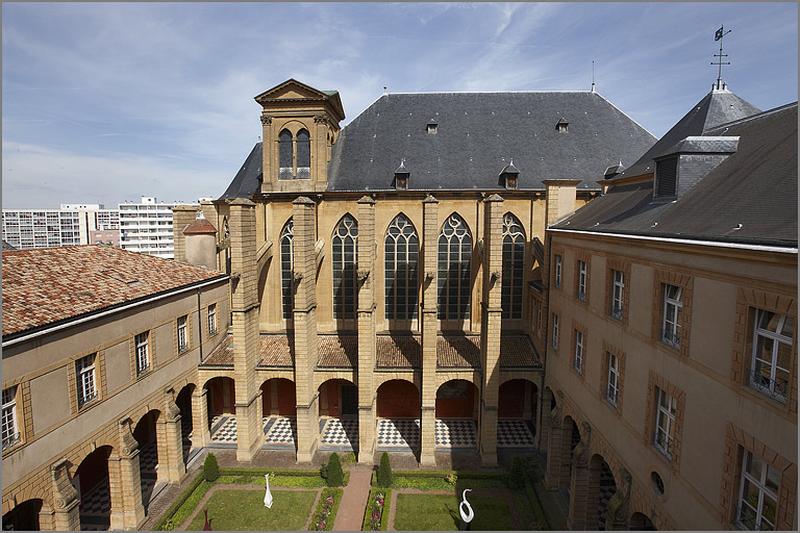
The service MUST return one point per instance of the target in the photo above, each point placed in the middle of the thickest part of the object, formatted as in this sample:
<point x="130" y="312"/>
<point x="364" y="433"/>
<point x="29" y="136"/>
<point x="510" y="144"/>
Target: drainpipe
<point x="200" y="325"/>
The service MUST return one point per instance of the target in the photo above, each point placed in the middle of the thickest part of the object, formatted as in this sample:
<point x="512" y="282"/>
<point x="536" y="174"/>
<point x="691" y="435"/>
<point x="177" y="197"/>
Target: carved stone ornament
<point x="362" y="275"/>
<point x="266" y="120"/>
<point x="64" y="492"/>
<point x="128" y="444"/>
<point x="618" y="504"/>
<point x="173" y="412"/>
<point x="320" y="119"/>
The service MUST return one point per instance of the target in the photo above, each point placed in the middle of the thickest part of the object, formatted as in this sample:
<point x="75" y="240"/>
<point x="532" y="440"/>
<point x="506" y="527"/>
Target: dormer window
<point x="509" y="176"/>
<point x="401" y="175"/>
<point x="562" y="125"/>
<point x="432" y="128"/>
<point x="667" y="177"/>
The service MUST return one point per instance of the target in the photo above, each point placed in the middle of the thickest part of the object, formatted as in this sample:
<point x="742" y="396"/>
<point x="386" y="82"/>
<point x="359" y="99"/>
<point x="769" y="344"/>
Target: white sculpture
<point x="267" y="494"/>
<point x="467" y="515"/>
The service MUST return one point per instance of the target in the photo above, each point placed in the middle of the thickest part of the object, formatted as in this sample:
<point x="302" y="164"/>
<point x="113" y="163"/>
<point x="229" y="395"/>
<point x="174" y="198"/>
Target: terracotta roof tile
<point x="458" y="351"/>
<point x="222" y="355"/>
<point x="399" y="351"/>
<point x="338" y="351"/>
<point x="517" y="351"/>
<point x="275" y="350"/>
<point x="47" y="285"/>
<point x="200" y="226"/>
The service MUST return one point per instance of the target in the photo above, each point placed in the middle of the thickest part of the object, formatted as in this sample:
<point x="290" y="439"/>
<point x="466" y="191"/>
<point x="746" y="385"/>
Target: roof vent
<point x="562" y="125"/>
<point x="432" y="127"/>
<point x="613" y="171"/>
<point x="401" y="175"/>
<point x="509" y="176"/>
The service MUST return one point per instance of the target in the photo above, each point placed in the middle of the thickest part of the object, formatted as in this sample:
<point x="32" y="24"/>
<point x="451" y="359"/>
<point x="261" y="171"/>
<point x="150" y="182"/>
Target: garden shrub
<point x="210" y="468"/>
<point x="384" y="478"/>
<point x="516" y="474"/>
<point x="332" y="472"/>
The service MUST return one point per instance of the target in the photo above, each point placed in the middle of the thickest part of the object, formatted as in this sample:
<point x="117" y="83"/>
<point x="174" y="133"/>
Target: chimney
<point x="201" y="243"/>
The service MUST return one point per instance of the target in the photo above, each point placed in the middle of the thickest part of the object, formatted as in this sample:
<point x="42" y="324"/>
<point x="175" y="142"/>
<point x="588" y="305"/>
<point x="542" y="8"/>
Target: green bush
<point x="332" y="472"/>
<point x="516" y="474"/>
<point x="210" y="468"/>
<point x="384" y="478"/>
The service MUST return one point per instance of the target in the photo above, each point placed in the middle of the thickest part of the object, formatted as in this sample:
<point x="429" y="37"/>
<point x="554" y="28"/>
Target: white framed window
<point x="578" y="360"/>
<point x="617" y="294"/>
<point x="212" y="319"/>
<point x="554" y="340"/>
<point x="772" y="354"/>
<point x="582" y="280"/>
<point x="142" y="352"/>
<point x="558" y="271"/>
<point x="666" y="410"/>
<point x="85" y="372"/>
<point x="758" y="495"/>
<point x="183" y="335"/>
<point x="9" y="416"/>
<point x="671" y="314"/>
<point x="612" y="386"/>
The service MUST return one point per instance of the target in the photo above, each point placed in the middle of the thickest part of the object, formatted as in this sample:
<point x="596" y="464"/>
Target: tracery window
<point x="455" y="250"/>
<point x="400" y="259"/>
<point x="287" y="268"/>
<point x="513" y="263"/>
<point x="345" y="288"/>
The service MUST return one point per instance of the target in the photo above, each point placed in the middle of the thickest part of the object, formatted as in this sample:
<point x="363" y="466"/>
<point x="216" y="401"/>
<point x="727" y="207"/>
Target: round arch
<point x="91" y="480"/>
<point x="602" y="487"/>
<point x="184" y="402"/>
<point x="278" y="397"/>
<point x="24" y="516"/>
<point x="338" y="397"/>
<point x="398" y="398"/>
<point x="457" y="398"/>
<point x="640" y="522"/>
<point x="221" y="396"/>
<point x="518" y="398"/>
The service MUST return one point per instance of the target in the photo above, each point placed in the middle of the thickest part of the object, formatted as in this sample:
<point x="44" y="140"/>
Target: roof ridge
<point x="578" y="91"/>
<point x="612" y="104"/>
<point x="754" y="116"/>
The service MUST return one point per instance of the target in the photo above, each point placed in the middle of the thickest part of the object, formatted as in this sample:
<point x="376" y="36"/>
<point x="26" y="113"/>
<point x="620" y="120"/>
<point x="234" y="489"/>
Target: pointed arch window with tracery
<point x="401" y="258"/>
<point x="287" y="268"/>
<point x="454" y="261"/>
<point x="345" y="288"/>
<point x="513" y="267"/>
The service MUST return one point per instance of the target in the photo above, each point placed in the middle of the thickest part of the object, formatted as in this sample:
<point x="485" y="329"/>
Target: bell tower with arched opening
<point x="300" y="125"/>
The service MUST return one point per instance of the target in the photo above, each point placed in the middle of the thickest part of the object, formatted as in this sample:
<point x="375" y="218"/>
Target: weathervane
<point x="718" y="35"/>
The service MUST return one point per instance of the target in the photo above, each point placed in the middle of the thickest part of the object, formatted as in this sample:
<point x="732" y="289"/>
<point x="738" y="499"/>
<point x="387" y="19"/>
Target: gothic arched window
<point x="303" y="154"/>
<point x="345" y="288"/>
<point x="513" y="266"/>
<point x="401" y="256"/>
<point x="285" y="153"/>
<point x="455" y="251"/>
<point x="287" y="268"/>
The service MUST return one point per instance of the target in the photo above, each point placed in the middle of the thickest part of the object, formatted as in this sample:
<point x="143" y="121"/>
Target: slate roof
<point x="478" y="134"/>
<point x="44" y="286"/>
<point x="755" y="187"/>
<point x="715" y="108"/>
<point x="247" y="181"/>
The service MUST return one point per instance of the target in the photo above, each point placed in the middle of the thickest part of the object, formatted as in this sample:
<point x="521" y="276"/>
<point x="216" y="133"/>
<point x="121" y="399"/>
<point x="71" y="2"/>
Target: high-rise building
<point x="146" y="227"/>
<point x="72" y="224"/>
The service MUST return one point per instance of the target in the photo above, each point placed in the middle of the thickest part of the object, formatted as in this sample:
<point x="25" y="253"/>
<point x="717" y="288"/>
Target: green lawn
<point x="244" y="510"/>
<point x="438" y="512"/>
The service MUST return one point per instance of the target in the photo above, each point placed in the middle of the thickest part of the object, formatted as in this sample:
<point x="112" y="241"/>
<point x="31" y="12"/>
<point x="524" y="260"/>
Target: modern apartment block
<point x="146" y="227"/>
<point x="70" y="225"/>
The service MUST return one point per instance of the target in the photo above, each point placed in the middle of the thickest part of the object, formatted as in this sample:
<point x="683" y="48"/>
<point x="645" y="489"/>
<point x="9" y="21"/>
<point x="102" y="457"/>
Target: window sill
<point x="183" y="351"/>
<point x="143" y="374"/>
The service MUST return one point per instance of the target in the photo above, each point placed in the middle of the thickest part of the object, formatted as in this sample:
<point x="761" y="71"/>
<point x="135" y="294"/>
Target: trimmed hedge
<point x="210" y="468"/>
<point x="337" y="499"/>
<point x="387" y="498"/>
<point x="182" y="497"/>
<point x="384" y="475"/>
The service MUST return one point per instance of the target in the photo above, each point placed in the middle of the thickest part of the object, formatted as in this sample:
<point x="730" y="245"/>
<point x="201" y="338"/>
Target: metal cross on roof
<point x="718" y="35"/>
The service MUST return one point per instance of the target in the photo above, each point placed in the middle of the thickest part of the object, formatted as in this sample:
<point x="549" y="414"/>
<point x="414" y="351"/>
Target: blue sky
<point x="104" y="103"/>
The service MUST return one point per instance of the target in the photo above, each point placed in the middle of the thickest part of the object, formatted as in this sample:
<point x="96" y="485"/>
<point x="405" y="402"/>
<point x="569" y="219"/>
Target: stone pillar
<point x="268" y="151"/>
<point x="305" y="327"/>
<point x="66" y="511"/>
<point x="619" y="505"/>
<point x="491" y="317"/>
<point x="125" y="481"/>
<point x="244" y="310"/>
<point x="367" y="347"/>
<point x="171" y="467"/>
<point x="579" y="490"/>
<point x="543" y="418"/>
<point x="182" y="216"/>
<point x="201" y="435"/>
<point x="430" y="327"/>
<point x="561" y="198"/>
<point x="555" y="444"/>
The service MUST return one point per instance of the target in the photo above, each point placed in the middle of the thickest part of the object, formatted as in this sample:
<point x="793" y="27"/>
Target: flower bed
<point x="328" y="505"/>
<point x="377" y="512"/>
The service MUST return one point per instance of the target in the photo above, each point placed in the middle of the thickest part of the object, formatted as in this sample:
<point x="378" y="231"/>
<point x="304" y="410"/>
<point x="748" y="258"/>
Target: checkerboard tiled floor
<point x="456" y="433"/>
<point x="340" y="432"/>
<point x="95" y="508"/>
<point x="223" y="429"/>
<point x="280" y="430"/>
<point x="398" y="433"/>
<point x="514" y="433"/>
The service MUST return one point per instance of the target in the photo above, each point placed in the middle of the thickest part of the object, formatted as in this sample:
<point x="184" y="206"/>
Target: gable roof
<point x="716" y="107"/>
<point x="273" y="94"/>
<point x="750" y="198"/>
<point x="48" y="285"/>
<point x="478" y="134"/>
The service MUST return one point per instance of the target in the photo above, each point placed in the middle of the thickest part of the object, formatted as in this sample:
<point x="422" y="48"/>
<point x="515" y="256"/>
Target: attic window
<point x="562" y="126"/>
<point x="432" y="128"/>
<point x="667" y="177"/>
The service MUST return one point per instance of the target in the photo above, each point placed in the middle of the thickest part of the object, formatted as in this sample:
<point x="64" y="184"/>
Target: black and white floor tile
<point x="340" y="432"/>
<point x="398" y="433"/>
<point x="95" y="507"/>
<point x="280" y="430"/>
<point x="456" y="433"/>
<point x="514" y="433"/>
<point x="223" y="429"/>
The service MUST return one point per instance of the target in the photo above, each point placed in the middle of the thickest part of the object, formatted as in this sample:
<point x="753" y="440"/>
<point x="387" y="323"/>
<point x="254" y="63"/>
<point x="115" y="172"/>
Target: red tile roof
<point x="399" y="351"/>
<point x="47" y="285"/>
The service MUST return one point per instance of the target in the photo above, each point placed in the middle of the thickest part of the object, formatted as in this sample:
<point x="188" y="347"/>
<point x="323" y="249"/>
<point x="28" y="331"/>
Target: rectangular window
<point x="582" y="280"/>
<point x="617" y="294"/>
<point x="758" y="495"/>
<point x="84" y="371"/>
<point x="578" y="361"/>
<point x="670" y="321"/>
<point x="558" y="272"/>
<point x="183" y="337"/>
<point x="212" y="319"/>
<point x="666" y="409"/>
<point x="142" y="352"/>
<point x="10" y="432"/>
<point x="772" y="354"/>
<point x="555" y="332"/>
<point x="612" y="388"/>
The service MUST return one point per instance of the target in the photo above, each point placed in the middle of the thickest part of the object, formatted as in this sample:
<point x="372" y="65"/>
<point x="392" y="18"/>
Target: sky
<point x="104" y="103"/>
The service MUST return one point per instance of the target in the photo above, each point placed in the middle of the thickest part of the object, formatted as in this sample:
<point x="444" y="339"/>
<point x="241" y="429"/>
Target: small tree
<point x="210" y="468"/>
<point x="384" y="477"/>
<point x="334" y="474"/>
